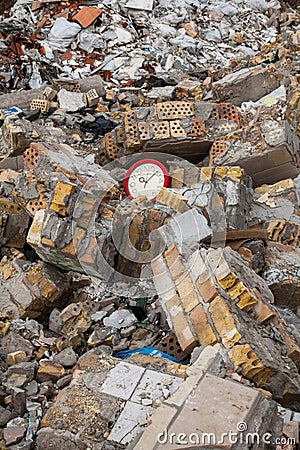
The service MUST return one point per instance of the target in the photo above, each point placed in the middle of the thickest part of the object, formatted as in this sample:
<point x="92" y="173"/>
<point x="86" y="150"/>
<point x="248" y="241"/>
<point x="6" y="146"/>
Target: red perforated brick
<point x="197" y="128"/>
<point x="229" y="112"/>
<point x="170" y="345"/>
<point x="217" y="149"/>
<point x="30" y="158"/>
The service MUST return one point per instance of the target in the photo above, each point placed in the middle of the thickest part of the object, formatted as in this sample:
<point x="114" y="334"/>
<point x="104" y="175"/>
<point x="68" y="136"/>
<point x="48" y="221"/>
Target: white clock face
<point x="146" y="179"/>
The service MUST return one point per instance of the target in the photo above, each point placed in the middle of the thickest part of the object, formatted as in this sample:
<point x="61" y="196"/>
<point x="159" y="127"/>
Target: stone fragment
<point x="49" y="370"/>
<point x="66" y="357"/>
<point x="13" y="434"/>
<point x="49" y="438"/>
<point x="19" y="400"/>
<point x="16" y="357"/>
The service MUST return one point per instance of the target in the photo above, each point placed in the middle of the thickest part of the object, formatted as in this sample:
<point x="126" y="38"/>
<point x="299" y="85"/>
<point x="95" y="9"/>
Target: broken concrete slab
<point x="248" y="84"/>
<point x="115" y="392"/>
<point x="220" y="396"/>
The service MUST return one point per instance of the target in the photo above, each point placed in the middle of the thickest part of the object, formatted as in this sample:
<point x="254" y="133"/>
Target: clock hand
<point x="151" y="176"/>
<point x="142" y="180"/>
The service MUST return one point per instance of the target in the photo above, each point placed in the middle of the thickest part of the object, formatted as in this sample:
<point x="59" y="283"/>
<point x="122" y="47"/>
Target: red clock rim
<point x="139" y="163"/>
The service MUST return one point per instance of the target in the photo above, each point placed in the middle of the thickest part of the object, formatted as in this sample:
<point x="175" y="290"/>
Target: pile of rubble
<point x="142" y="321"/>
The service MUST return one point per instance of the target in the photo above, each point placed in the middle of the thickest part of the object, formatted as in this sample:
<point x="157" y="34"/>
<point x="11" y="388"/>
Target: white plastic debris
<point x="146" y="5"/>
<point x="120" y="319"/>
<point x="63" y="33"/>
<point x="224" y="8"/>
<point x="70" y="101"/>
<point x="35" y="81"/>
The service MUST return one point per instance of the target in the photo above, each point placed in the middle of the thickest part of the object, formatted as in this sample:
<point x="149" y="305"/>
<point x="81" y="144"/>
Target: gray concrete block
<point x="122" y="380"/>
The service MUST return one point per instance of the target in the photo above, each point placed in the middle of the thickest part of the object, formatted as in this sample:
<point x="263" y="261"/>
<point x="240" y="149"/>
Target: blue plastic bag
<point x="150" y="351"/>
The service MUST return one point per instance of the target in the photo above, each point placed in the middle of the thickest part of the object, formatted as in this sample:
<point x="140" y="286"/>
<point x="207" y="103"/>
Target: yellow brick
<point x="61" y="197"/>
<point x="7" y="270"/>
<point x="10" y="207"/>
<point x="4" y="327"/>
<point x="187" y="293"/>
<point x="48" y="290"/>
<point x="236" y="290"/>
<point x="34" y="275"/>
<point x="244" y="357"/>
<point x="171" y="199"/>
<point x="202" y="328"/>
<point x="235" y="173"/>
<point x="246" y="301"/>
<point x="223" y="322"/>
<point x="227" y="281"/>
<point x="220" y="172"/>
<point x="205" y="174"/>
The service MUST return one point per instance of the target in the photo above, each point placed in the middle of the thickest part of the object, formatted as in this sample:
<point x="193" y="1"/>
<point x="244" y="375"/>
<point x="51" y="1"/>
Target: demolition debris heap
<point x="100" y="347"/>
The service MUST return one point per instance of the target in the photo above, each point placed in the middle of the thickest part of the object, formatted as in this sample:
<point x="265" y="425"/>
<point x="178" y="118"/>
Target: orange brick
<point x="180" y="324"/>
<point x="176" y="267"/>
<point x="87" y="15"/>
<point x="47" y="242"/>
<point x="202" y="328"/>
<point x="207" y="289"/>
<point x="135" y="229"/>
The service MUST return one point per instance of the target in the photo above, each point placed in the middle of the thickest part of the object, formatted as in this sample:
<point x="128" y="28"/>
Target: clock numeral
<point x="132" y="184"/>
